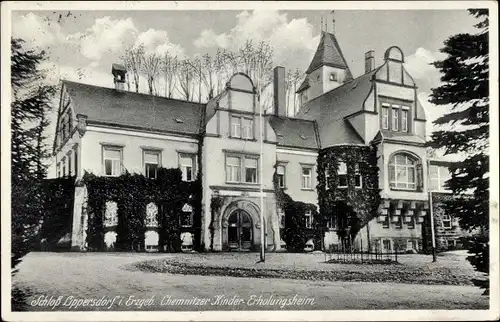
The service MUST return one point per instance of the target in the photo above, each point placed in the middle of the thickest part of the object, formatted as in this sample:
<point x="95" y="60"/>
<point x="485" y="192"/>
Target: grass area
<point x="411" y="269"/>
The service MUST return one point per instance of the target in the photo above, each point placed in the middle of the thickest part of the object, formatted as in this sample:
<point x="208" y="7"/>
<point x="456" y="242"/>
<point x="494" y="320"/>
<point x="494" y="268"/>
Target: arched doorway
<point x="239" y="231"/>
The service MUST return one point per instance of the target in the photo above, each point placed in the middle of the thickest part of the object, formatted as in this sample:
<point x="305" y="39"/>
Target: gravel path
<point x="97" y="275"/>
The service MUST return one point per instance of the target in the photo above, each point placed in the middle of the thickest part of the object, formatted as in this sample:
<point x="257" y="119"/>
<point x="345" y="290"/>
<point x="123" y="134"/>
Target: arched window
<point x="111" y="214"/>
<point x="151" y="215"/>
<point x="403" y="171"/>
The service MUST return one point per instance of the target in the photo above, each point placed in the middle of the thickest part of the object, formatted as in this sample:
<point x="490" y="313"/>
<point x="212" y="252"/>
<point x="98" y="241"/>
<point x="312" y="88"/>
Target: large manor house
<point x="355" y="149"/>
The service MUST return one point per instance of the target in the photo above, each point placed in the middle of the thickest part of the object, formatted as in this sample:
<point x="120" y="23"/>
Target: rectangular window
<point x="404" y="120"/>
<point x="395" y="119"/>
<point x="342" y="174"/>
<point x="358" y="181"/>
<point x="385" y="118"/>
<point x="247" y="127"/>
<point x="309" y="219"/>
<point x="151" y="164"/>
<point x="446" y="221"/>
<point x="112" y="161"/>
<point x="59" y="169"/>
<point x="235" y="127"/>
<point x="63" y="161"/>
<point x="330" y="223"/>
<point x="327" y="178"/>
<point x="187" y="163"/>
<point x="233" y="169"/>
<point x="434" y="177"/>
<point x="386" y="245"/>
<point x="280" y="171"/>
<point x="251" y="170"/>
<point x="306" y="178"/>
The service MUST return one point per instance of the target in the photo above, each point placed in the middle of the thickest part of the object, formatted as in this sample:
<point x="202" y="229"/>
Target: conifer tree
<point x="30" y="105"/>
<point x="465" y="74"/>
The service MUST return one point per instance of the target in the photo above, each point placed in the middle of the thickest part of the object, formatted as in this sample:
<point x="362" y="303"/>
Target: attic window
<point x="279" y="134"/>
<point x="354" y="85"/>
<point x="333" y="77"/>
<point x="303" y="137"/>
<point x="179" y="121"/>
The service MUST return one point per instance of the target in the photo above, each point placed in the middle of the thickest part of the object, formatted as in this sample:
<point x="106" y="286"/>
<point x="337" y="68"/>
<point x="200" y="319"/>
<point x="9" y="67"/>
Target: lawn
<point x="450" y="268"/>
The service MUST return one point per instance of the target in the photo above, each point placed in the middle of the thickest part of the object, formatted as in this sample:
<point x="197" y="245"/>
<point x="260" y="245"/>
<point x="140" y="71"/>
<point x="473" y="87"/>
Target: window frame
<point x="333" y="77"/>
<point x="331" y="223"/>
<point x="327" y="177"/>
<point x="63" y="163"/>
<point x="440" y="180"/>
<point x="243" y="130"/>
<point x="308" y="219"/>
<point x="395" y="118"/>
<point x="310" y="176"/>
<point x="449" y="220"/>
<point x="343" y="174"/>
<point x="245" y="167"/>
<point x="391" y="116"/>
<point x="158" y="164"/>
<point x="357" y="173"/>
<point x="393" y="185"/>
<point x="242" y="168"/>
<point x="111" y="147"/>
<point x="405" y="110"/>
<point x="385" y="116"/>
<point x="281" y="165"/>
<point x="194" y="159"/>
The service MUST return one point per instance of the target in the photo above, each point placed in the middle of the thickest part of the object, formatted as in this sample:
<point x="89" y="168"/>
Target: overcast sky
<point x="84" y="44"/>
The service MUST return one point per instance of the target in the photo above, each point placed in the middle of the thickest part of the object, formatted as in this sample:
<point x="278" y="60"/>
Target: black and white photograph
<point x="250" y="160"/>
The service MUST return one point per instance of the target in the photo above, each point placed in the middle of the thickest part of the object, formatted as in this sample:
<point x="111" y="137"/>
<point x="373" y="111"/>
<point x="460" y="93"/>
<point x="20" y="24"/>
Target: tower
<point x="328" y="68"/>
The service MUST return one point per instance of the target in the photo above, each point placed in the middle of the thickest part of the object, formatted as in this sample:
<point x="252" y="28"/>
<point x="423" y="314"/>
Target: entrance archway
<point x="240" y="231"/>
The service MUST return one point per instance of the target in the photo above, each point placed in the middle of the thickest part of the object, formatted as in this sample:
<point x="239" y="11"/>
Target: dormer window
<point x="333" y="77"/>
<point x="395" y="117"/>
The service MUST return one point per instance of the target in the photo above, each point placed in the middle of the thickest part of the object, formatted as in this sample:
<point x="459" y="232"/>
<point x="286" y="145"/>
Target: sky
<point x="82" y="45"/>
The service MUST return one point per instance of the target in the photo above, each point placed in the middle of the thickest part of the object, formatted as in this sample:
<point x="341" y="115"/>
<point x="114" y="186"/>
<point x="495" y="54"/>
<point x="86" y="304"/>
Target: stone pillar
<point x="78" y="233"/>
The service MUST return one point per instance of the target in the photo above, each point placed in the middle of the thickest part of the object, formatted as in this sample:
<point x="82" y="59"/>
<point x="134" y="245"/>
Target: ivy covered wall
<point x="351" y="207"/>
<point x="132" y="193"/>
<point x="295" y="234"/>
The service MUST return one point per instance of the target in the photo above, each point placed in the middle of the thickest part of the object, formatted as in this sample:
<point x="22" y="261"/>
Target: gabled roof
<point x="330" y="109"/>
<point x="109" y="106"/>
<point x="292" y="132"/>
<point x="328" y="53"/>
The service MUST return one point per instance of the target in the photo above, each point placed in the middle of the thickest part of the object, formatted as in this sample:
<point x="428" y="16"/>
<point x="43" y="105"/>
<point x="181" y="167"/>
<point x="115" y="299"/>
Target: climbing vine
<point x="295" y="233"/>
<point x="58" y="199"/>
<point x="352" y="207"/>
<point x="132" y="193"/>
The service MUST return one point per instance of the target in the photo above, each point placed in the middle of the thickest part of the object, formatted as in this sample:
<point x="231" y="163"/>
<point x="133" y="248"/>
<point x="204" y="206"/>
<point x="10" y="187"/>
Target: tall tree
<point x="151" y="67"/>
<point x="30" y="106"/>
<point x="133" y="60"/>
<point x="465" y="74"/>
<point x="185" y="79"/>
<point x="170" y="69"/>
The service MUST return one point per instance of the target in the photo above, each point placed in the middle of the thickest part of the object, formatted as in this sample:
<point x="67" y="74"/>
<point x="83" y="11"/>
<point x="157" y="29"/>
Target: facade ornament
<point x="81" y="123"/>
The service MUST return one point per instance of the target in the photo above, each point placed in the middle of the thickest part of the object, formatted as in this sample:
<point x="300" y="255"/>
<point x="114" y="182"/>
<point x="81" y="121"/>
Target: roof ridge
<point x="134" y="93"/>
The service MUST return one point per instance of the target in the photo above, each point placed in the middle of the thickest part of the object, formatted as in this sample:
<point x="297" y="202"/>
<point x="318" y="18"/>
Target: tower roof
<point x="328" y="53"/>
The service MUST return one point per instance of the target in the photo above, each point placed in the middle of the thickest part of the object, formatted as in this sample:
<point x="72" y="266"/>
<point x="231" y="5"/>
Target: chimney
<point x="119" y="74"/>
<point x="279" y="92"/>
<point x="369" y="61"/>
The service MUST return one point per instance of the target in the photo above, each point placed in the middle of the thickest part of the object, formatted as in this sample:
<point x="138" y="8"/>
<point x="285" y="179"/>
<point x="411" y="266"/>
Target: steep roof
<point x="292" y="132"/>
<point x="330" y="109"/>
<point x="147" y="112"/>
<point x="328" y="53"/>
<point x="304" y="85"/>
